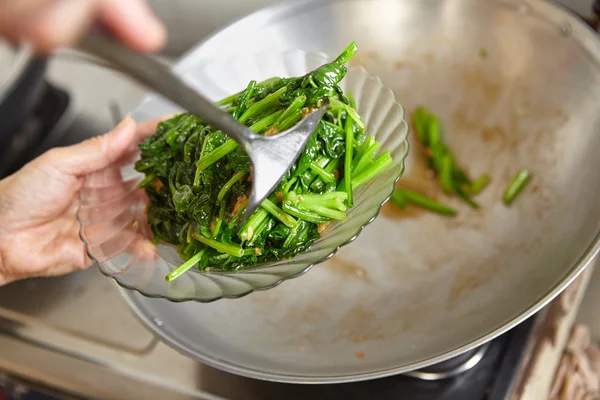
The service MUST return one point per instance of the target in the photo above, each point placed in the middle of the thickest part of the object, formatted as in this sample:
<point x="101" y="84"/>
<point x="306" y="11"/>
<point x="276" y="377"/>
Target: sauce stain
<point x="492" y="133"/>
<point x="348" y="269"/>
<point x="468" y="281"/>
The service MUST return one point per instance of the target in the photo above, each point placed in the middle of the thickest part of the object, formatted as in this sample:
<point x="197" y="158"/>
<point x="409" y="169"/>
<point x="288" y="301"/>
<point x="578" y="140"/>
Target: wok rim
<point x="557" y="13"/>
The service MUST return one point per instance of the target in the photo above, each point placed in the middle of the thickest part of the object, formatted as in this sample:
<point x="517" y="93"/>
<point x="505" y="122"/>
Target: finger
<point x="58" y="23"/>
<point x="133" y="22"/>
<point x="12" y="13"/>
<point x="96" y="153"/>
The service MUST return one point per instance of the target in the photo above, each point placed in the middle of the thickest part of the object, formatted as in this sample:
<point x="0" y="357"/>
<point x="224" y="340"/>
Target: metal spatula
<point x="271" y="156"/>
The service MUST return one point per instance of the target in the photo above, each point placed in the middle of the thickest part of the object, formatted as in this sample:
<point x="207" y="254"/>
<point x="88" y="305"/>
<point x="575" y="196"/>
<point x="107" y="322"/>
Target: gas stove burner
<point x="41" y="131"/>
<point x="452" y="367"/>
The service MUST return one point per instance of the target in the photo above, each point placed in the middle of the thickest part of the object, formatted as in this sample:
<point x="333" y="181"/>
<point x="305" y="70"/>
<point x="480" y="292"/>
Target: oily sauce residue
<point x="347" y="269"/>
<point x="468" y="281"/>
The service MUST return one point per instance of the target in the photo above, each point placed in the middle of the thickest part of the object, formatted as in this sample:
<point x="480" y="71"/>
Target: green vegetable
<point x="440" y="159"/>
<point x="518" y="183"/>
<point x="402" y="196"/>
<point x="198" y="180"/>
<point x="348" y="160"/>
<point x="177" y="272"/>
<point x="480" y="183"/>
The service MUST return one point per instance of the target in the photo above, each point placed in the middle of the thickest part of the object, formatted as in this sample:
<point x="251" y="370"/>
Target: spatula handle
<point x="159" y="77"/>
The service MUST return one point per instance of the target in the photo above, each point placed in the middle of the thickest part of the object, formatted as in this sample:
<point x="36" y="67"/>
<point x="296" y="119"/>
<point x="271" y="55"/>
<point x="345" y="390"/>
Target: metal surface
<point x="516" y="84"/>
<point x="440" y="371"/>
<point x="12" y="63"/>
<point x="271" y="156"/>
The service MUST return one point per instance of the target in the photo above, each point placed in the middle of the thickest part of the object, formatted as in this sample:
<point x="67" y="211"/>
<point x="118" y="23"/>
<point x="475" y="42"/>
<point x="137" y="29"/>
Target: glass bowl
<point x="112" y="208"/>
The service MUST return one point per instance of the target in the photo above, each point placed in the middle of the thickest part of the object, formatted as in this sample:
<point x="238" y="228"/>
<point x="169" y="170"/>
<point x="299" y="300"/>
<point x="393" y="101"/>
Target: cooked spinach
<point x="198" y="179"/>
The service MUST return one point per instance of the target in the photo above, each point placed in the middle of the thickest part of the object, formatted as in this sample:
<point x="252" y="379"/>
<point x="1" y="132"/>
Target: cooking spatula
<point x="271" y="156"/>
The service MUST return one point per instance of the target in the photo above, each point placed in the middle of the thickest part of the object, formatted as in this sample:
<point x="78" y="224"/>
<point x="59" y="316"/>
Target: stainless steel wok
<point x="517" y="84"/>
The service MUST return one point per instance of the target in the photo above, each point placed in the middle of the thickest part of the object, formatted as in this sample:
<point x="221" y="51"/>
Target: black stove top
<point x="41" y="131"/>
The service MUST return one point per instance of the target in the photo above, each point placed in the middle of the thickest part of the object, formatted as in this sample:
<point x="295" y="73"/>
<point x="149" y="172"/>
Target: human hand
<point x="48" y="24"/>
<point x="39" y="232"/>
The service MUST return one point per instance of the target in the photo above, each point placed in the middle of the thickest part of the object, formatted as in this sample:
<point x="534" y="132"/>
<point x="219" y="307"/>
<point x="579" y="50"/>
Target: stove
<point x="42" y="129"/>
<point x="486" y="373"/>
<point x="74" y="336"/>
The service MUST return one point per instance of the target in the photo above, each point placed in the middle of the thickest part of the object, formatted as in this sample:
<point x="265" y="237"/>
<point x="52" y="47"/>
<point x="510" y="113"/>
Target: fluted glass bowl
<point x="112" y="208"/>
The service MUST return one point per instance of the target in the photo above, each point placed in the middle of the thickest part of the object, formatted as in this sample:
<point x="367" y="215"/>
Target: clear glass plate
<point x="112" y="208"/>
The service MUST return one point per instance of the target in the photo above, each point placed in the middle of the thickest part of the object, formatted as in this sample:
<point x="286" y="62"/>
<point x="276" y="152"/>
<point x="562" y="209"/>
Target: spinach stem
<point x="403" y="195"/>
<point x="245" y="96"/>
<point x="270" y="101"/>
<point x="278" y="213"/>
<point x="446" y="174"/>
<point x="399" y="199"/>
<point x="290" y="121"/>
<point x="236" y="177"/>
<point x="147" y="180"/>
<point x="227" y="248"/>
<point x="466" y="197"/>
<point x="265" y="122"/>
<point x="296" y="105"/>
<point x="334" y="200"/>
<point x="347" y="54"/>
<point x="304" y="214"/>
<point x="480" y="183"/>
<point x="326" y="176"/>
<point x="213" y="157"/>
<point x="330" y="205"/>
<point x="289" y="185"/>
<point x="247" y="230"/>
<point x="335" y="104"/>
<point x="361" y="149"/>
<point x="177" y="272"/>
<point x="351" y="100"/>
<point x="331" y="167"/>
<point x="516" y="186"/>
<point x="380" y="163"/>
<point x="310" y="175"/>
<point x="230" y="99"/>
<point x="434" y="130"/>
<point x="365" y="159"/>
<point x="328" y="212"/>
<point x="217" y="228"/>
<point x="348" y="161"/>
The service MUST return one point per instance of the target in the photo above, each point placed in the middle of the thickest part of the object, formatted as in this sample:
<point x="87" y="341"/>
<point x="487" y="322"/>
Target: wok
<point x="517" y="85"/>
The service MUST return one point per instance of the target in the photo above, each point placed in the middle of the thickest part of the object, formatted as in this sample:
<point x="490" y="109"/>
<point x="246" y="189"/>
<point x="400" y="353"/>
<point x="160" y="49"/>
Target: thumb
<point x="98" y="152"/>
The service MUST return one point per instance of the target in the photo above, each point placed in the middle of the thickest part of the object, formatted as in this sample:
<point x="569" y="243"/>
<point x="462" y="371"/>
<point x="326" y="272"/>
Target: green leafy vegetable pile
<point x="198" y="180"/>
<point x="453" y="179"/>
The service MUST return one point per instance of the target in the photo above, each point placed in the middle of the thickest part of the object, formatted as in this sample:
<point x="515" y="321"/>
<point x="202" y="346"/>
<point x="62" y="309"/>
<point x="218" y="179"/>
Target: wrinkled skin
<point x="38" y="229"/>
<point x="39" y="233"/>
